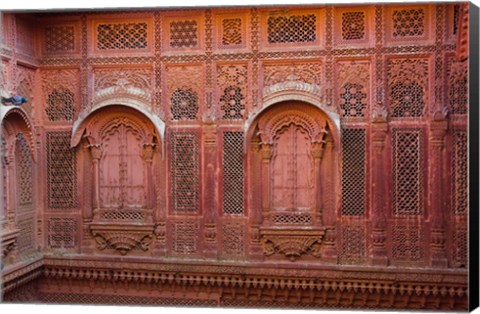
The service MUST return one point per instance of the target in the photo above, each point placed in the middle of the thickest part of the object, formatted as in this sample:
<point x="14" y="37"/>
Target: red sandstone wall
<point x="181" y="150"/>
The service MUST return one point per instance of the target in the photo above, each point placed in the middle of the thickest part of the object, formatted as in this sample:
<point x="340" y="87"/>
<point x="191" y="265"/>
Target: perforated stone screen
<point x="292" y="28"/>
<point x="354" y="172"/>
<point x="61" y="171"/>
<point x="233" y="191"/>
<point x="59" y="39"/>
<point x="121" y="36"/>
<point x="184" y="167"/>
<point x="407" y="171"/>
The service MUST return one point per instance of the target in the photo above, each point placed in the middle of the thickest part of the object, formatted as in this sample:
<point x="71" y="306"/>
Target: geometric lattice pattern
<point x="62" y="171"/>
<point x="460" y="173"/>
<point x="407" y="240"/>
<point x="292" y="29"/>
<point x="183" y="34"/>
<point x="184" y="104"/>
<point x="232" y="243"/>
<point x="407" y="171"/>
<point x="122" y="36"/>
<point x="232" y="103"/>
<point x="62" y="232"/>
<point x="232" y="32"/>
<point x="59" y="39"/>
<point x="233" y="192"/>
<point x="353" y="100"/>
<point x="292" y="219"/>
<point x="24" y="171"/>
<point x="458" y="95"/>
<point x="354" y="247"/>
<point x="353" y="25"/>
<point x="407" y="100"/>
<point x="408" y="22"/>
<point x="460" y="248"/>
<point x="185" y="237"/>
<point x="456" y="16"/>
<point x="26" y="237"/>
<point x="185" y="172"/>
<point x="353" y="175"/>
<point x="60" y="105"/>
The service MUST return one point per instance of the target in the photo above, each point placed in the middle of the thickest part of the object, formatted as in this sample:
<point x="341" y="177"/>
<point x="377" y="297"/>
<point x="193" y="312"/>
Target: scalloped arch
<point x="15" y="119"/>
<point x="85" y="116"/>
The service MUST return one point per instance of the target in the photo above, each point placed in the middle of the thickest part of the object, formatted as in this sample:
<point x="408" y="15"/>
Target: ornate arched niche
<point x="17" y="182"/>
<point x="293" y="182"/>
<point x="123" y="145"/>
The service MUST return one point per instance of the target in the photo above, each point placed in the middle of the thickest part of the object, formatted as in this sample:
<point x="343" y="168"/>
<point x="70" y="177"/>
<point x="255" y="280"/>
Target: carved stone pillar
<point x="317" y="153"/>
<point x="96" y="153"/>
<point x="209" y="184"/>
<point x="266" y="154"/>
<point x="378" y="252"/>
<point x="438" y="256"/>
<point x="147" y="154"/>
<point x="328" y="201"/>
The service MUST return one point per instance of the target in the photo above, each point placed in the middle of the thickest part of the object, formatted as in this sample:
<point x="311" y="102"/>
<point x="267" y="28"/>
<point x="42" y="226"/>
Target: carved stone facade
<point x="293" y="157"/>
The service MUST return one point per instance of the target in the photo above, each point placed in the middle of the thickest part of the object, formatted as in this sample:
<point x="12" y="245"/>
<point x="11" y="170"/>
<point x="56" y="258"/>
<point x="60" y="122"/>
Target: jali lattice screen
<point x="61" y="171"/>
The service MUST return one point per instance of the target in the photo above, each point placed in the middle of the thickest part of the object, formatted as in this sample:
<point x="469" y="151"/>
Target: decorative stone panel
<point x="460" y="173"/>
<point x="409" y="25"/>
<point x="233" y="172"/>
<point x="131" y="35"/>
<point x="283" y="29"/>
<point x="457" y="87"/>
<point x="353" y="88"/>
<point x="61" y="171"/>
<point x="354" y="172"/>
<point x="184" y="90"/>
<point x="61" y="39"/>
<point x="185" y="168"/>
<point x="62" y="233"/>
<point x="232" y="90"/>
<point x="408" y="87"/>
<point x="408" y="168"/>
<point x="353" y="26"/>
<point x="127" y="82"/>
<point x="60" y="89"/>
<point x="354" y="243"/>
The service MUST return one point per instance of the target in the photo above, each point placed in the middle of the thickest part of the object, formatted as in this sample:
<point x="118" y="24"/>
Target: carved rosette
<point x="123" y="238"/>
<point x="292" y="242"/>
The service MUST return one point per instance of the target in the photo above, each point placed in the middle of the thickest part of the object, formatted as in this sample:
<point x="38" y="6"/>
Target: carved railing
<point x="123" y="215"/>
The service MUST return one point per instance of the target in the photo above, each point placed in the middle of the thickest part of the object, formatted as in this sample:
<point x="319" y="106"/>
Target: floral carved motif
<point x="135" y="83"/>
<point x="292" y="243"/>
<point x="310" y="73"/>
<point x="408" y="86"/>
<point x="306" y="77"/>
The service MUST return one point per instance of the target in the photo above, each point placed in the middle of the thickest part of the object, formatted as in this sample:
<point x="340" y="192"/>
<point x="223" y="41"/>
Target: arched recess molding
<point x="79" y="125"/>
<point x="17" y="121"/>
<point x="123" y="144"/>
<point x="292" y="146"/>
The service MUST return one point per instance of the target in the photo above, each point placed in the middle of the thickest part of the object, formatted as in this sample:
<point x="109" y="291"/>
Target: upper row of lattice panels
<point x="242" y="30"/>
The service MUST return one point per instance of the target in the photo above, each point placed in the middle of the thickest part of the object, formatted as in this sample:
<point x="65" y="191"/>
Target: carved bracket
<point x="9" y="241"/>
<point x="123" y="237"/>
<point x="292" y="242"/>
